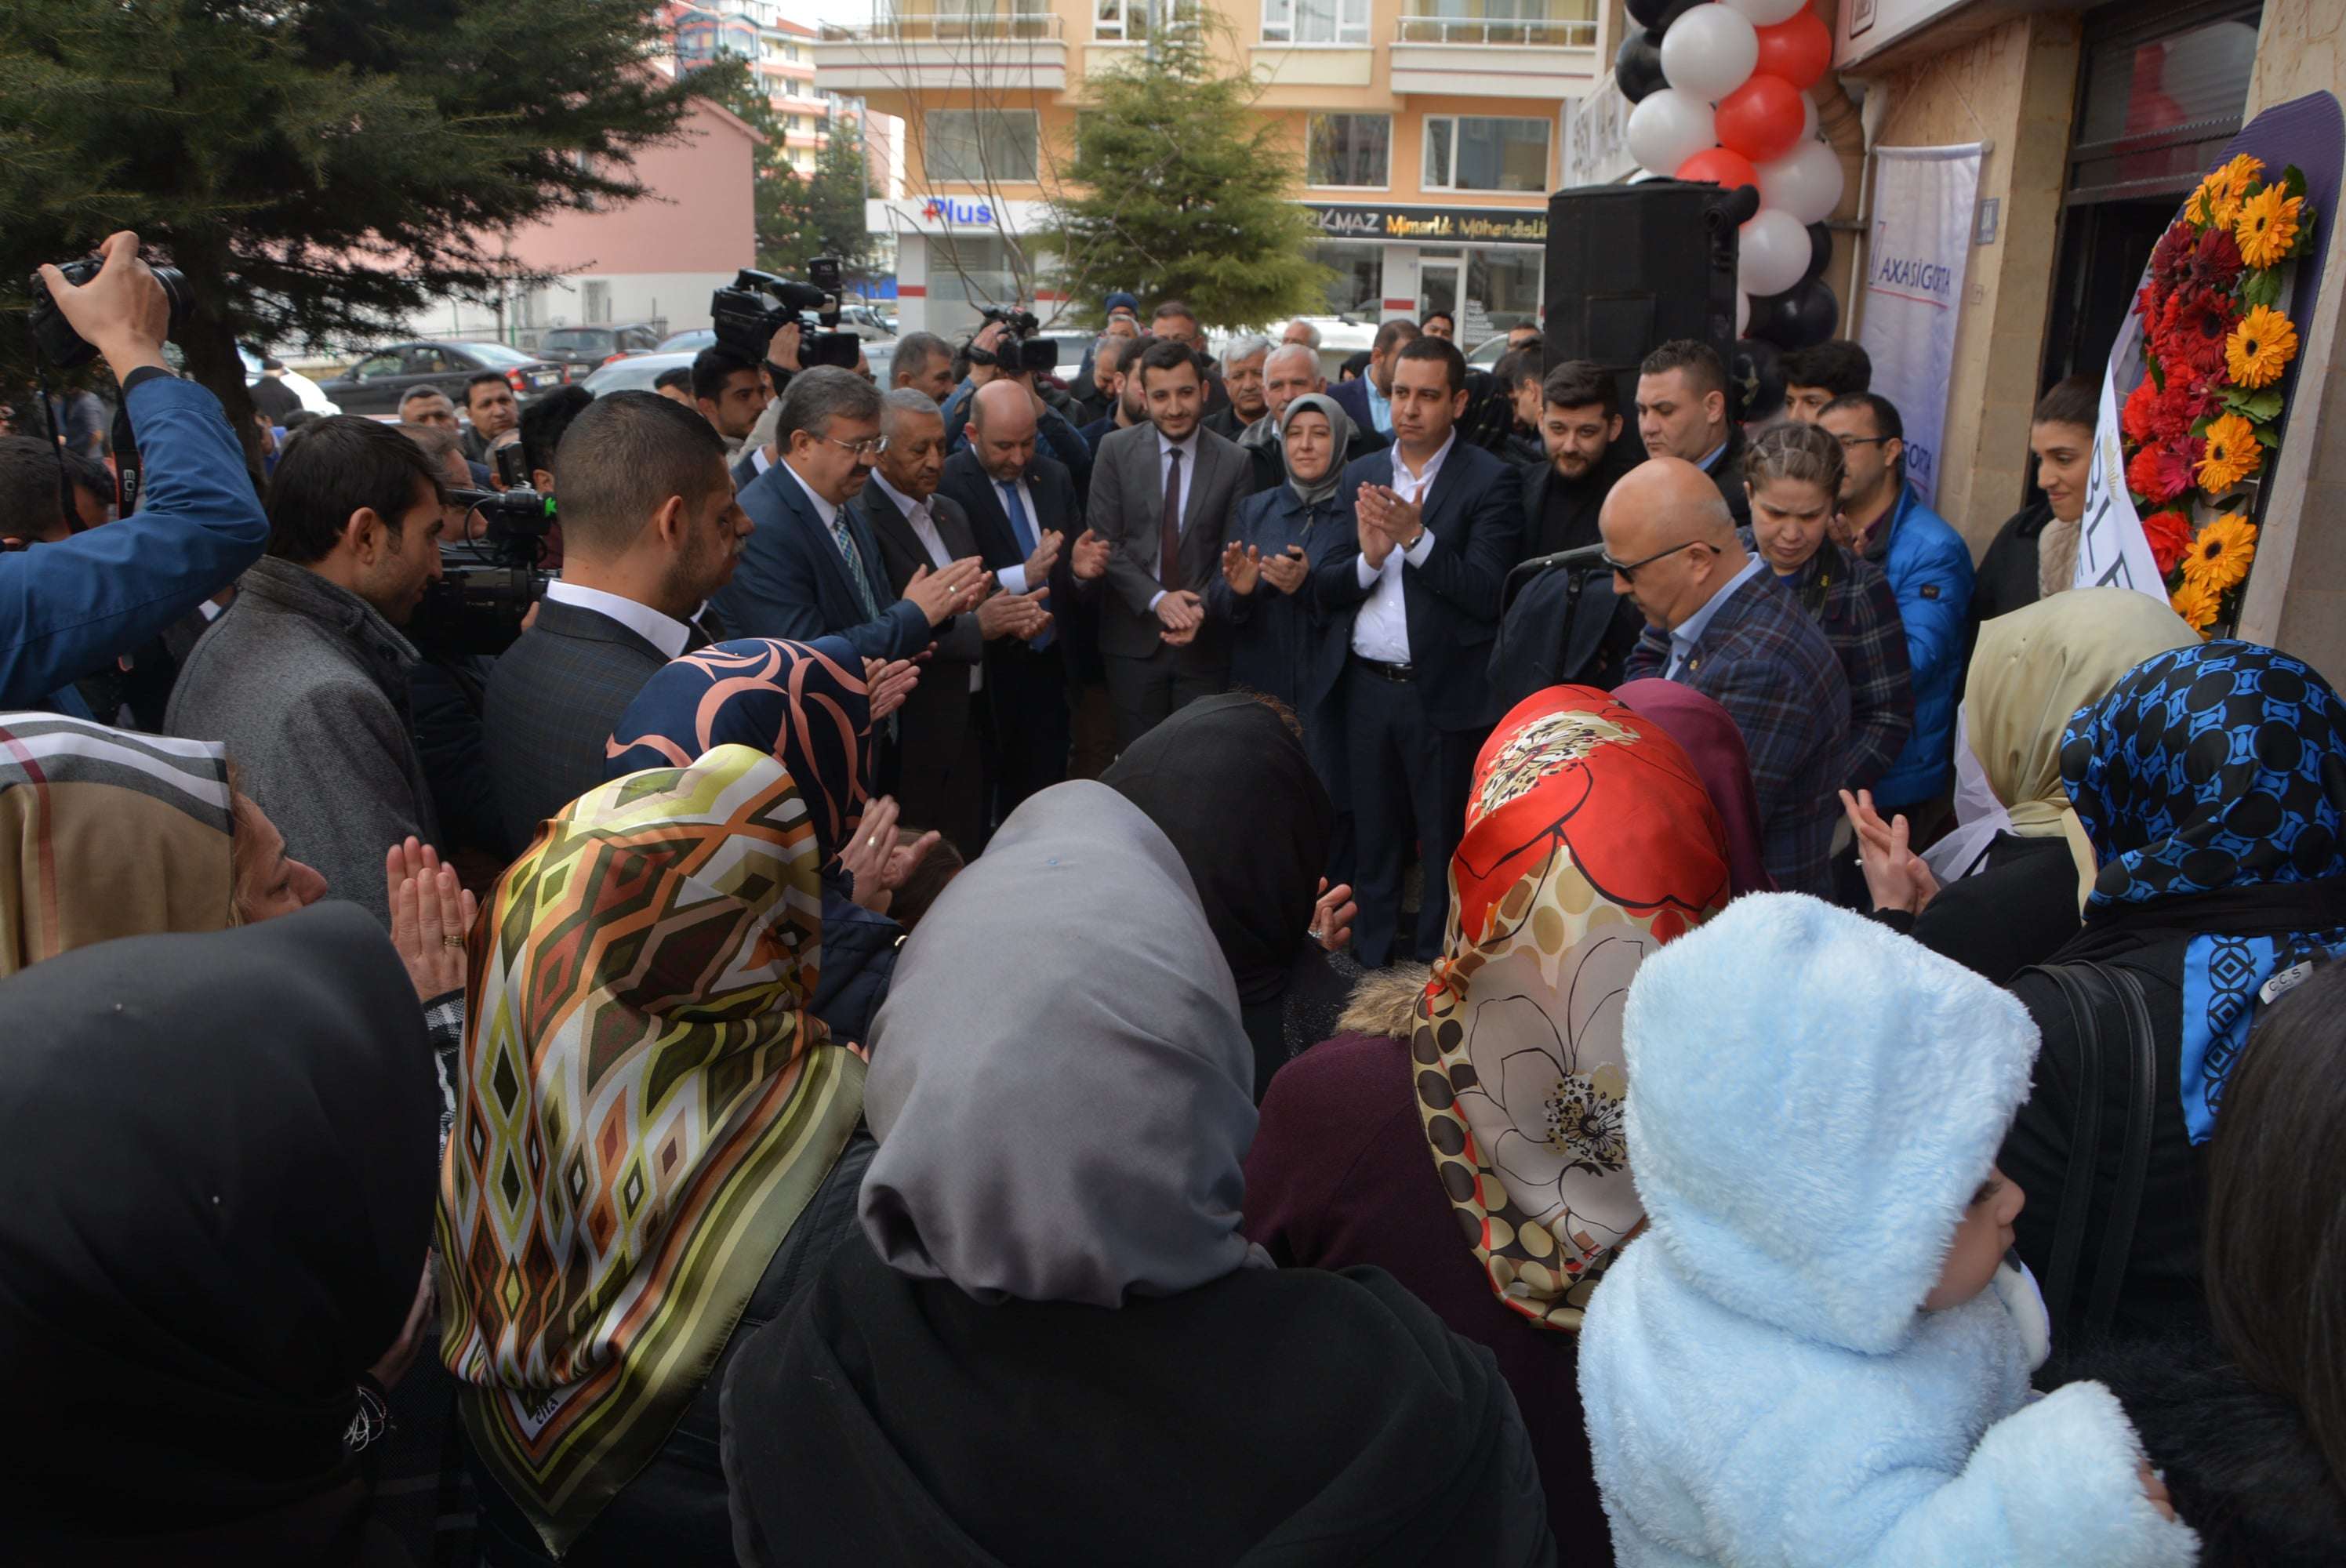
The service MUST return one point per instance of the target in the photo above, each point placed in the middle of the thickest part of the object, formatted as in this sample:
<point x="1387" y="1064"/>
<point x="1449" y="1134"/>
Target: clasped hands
<point x="1385" y="522"/>
<point x="1244" y="566"/>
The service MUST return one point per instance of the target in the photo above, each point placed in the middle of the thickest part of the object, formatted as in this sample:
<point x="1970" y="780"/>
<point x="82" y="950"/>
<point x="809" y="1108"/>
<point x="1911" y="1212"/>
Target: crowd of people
<point x="1194" y="965"/>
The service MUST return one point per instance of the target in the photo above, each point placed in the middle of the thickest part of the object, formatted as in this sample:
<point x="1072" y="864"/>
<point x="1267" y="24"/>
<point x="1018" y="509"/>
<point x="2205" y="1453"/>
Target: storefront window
<point x="1469" y="152"/>
<point x="1503" y="290"/>
<point x="975" y="146"/>
<point x="1358" y="289"/>
<point x="1349" y="150"/>
<point x="968" y="272"/>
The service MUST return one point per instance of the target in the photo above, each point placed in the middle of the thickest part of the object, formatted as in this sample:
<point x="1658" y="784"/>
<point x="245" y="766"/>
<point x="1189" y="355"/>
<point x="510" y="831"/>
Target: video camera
<point x="760" y="304"/>
<point x="1019" y="349"/>
<point x="477" y="606"/>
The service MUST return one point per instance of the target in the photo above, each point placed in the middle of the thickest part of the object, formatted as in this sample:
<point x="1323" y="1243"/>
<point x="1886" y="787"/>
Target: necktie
<point x="1169" y="546"/>
<point x="1024" y="529"/>
<point x="854" y="565"/>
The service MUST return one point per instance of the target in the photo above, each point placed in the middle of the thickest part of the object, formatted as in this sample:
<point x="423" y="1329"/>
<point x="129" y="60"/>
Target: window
<point x="1348" y="149"/>
<point x="1358" y="289"/>
<point x="1128" y="20"/>
<point x="971" y="147"/>
<point x="1315" y="20"/>
<point x="596" y="300"/>
<point x="376" y="366"/>
<point x="1466" y="152"/>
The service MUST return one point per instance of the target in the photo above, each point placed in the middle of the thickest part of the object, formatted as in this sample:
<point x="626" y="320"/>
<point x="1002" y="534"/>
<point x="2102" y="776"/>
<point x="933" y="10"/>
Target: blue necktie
<point x="1024" y="530"/>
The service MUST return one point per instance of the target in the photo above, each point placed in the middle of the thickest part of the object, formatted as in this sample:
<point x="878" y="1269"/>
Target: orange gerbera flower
<point x="2196" y="605"/>
<point x="2219" y="559"/>
<point x="2232" y="454"/>
<point x="2218" y="200"/>
<point x="2266" y="226"/>
<point x="2260" y="348"/>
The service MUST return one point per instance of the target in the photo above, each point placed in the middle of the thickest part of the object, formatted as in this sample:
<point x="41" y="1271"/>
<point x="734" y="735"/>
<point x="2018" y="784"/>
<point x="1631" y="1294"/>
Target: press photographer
<point x="81" y="599"/>
<point x="1006" y="347"/>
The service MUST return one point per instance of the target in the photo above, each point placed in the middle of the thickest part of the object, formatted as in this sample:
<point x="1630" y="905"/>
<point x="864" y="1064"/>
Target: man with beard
<point x="1120" y="358"/>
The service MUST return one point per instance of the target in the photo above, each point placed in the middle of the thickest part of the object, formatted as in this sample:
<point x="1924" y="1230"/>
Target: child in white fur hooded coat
<point x="1812" y="1356"/>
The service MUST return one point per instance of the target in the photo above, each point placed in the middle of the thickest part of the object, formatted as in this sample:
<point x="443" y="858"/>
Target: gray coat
<point x="1127" y="506"/>
<point x="306" y="685"/>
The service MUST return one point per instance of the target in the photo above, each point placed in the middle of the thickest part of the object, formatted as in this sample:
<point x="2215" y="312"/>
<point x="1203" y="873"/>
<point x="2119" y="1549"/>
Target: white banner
<point x="2112" y="552"/>
<point x="1924" y="202"/>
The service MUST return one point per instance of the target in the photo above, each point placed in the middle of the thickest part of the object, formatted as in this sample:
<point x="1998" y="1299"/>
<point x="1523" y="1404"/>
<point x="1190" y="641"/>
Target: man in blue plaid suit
<point x="1719" y="621"/>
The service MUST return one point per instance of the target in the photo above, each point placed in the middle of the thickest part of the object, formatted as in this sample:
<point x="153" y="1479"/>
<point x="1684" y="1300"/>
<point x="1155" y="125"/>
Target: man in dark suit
<point x="1682" y="413"/>
<point x="1022" y="506"/>
<point x="650" y="529"/>
<point x="1718" y="621"/>
<point x="1121" y="359"/>
<point x="1412" y="604"/>
<point x="941" y="770"/>
<point x="1368" y="398"/>
<point x="811" y="567"/>
<point x="1162" y="499"/>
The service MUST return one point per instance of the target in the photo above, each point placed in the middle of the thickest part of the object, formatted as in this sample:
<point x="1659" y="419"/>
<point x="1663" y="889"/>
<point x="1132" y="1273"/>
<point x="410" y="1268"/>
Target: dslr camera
<point x="760" y="304"/>
<point x="65" y="348"/>
<point x="477" y="605"/>
<point x="1020" y="349"/>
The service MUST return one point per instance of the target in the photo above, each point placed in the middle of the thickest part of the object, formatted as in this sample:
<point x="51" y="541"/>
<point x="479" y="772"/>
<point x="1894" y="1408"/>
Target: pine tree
<point x="321" y="169"/>
<point x="833" y="201"/>
<point x="1171" y="196"/>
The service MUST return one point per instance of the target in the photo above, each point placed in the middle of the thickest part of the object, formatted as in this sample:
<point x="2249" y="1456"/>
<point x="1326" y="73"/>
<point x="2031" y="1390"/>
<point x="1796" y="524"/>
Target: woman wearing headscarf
<point x="806" y="705"/>
<point x="1227" y="781"/>
<point x="1051" y="1342"/>
<point x="2211" y="784"/>
<point x="219" y="1160"/>
<point x="2005" y="887"/>
<point x="1470" y="1142"/>
<point x="1707" y="735"/>
<point x="652" y="1148"/>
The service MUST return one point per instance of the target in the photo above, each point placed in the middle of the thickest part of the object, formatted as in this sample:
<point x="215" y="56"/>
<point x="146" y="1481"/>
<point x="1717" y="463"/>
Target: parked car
<point x="375" y="381"/>
<point x="636" y="372"/>
<point x="586" y="349"/>
<point x="686" y="342"/>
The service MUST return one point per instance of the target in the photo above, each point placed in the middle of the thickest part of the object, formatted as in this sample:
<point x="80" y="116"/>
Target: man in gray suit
<point x="1162" y="496"/>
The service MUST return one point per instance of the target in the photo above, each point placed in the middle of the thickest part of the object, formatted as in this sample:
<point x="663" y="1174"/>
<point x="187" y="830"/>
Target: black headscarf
<point x="220" y="1169"/>
<point x="1228" y="781"/>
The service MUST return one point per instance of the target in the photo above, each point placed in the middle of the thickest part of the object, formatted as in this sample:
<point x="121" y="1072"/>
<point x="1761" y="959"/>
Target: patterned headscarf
<point x="106" y="834"/>
<point x="1590" y="841"/>
<point x="804" y="704"/>
<point x="2219" y="766"/>
<point x="644" y="1107"/>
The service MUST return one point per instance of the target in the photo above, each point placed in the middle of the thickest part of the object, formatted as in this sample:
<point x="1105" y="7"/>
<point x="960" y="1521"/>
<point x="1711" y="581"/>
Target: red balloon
<point x="1798" y="49"/>
<point x="1720" y="166"/>
<point x="1761" y="119"/>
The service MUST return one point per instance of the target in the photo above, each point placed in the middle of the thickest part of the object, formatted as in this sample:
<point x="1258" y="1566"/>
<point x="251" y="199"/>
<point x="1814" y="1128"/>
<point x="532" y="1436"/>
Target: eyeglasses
<point x="870" y="446"/>
<point x="1627" y="570"/>
<point x="1848" y="441"/>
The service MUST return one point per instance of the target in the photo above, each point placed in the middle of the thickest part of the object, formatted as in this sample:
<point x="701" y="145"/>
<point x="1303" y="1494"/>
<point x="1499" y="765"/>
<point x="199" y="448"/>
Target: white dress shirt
<point x="1381" y="630"/>
<point x="758" y="460"/>
<point x="924" y="529"/>
<point x="1188" y="447"/>
<point x="664" y="633"/>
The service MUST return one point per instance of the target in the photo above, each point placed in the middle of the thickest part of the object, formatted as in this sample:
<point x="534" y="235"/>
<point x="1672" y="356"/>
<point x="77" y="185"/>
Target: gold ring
<point x="452" y="940"/>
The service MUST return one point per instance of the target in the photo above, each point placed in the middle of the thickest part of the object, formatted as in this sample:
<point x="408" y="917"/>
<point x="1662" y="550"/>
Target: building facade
<point x="1429" y="134"/>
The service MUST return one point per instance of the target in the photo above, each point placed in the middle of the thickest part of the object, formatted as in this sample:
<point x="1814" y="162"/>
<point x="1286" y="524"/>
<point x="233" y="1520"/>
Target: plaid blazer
<point x="1852" y="602"/>
<point x="1764" y="661"/>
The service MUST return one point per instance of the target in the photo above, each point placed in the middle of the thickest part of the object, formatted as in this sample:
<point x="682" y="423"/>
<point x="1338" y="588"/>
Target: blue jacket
<point x="793" y="583"/>
<point x="69" y="608"/>
<point x="1930" y="571"/>
<point x="1817" y="1101"/>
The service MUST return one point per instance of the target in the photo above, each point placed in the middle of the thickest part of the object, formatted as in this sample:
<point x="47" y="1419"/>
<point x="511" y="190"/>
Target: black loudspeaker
<point x="1630" y="267"/>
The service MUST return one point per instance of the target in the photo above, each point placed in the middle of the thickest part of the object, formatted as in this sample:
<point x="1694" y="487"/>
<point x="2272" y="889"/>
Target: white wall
<point x="681" y="298"/>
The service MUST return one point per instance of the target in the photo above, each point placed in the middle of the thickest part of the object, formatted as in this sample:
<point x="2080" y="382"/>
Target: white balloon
<point x="1709" y="52"/>
<point x="1668" y="128"/>
<point x="1767" y="12"/>
<point x="1808" y="118"/>
<point x="1742" y="314"/>
<point x="1772" y="253"/>
<point x="1806" y="182"/>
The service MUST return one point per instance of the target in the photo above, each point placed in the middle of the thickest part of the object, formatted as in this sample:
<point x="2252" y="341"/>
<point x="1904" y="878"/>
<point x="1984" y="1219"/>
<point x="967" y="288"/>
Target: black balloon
<point x="1638" y="67"/>
<point x="1806" y="314"/>
<point x="1819" y="250"/>
<point x="1657" y="15"/>
<point x="1755" y="381"/>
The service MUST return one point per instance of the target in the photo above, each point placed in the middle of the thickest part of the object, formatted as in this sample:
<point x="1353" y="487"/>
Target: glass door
<point x="1438" y="284"/>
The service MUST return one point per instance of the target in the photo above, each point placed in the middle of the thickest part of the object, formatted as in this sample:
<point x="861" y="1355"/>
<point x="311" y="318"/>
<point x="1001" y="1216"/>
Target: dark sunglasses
<point x="1627" y="570"/>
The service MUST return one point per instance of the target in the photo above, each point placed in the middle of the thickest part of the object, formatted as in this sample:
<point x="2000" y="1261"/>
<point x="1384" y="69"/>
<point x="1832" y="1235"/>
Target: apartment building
<point x="1429" y="133"/>
<point x="780" y="52"/>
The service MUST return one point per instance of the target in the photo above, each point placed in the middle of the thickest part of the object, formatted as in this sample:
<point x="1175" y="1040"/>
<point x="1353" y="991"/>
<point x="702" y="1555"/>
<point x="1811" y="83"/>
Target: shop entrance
<point x="1439" y="280"/>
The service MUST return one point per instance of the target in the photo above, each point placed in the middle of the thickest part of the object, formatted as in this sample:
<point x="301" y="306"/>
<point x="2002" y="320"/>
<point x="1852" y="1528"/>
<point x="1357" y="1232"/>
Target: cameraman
<point x="68" y="607"/>
<point x="993" y="355"/>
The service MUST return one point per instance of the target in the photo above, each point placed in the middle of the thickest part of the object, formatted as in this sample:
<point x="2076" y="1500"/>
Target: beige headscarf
<point x="2033" y="670"/>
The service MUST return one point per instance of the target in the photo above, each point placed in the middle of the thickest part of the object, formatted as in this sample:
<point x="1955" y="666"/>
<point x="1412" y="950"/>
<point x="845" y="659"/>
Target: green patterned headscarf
<point x="644" y="1110"/>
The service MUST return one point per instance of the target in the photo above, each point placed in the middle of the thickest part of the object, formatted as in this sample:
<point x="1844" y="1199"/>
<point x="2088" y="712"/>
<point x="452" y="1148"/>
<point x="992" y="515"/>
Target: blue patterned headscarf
<point x="804" y="704"/>
<point x="2214" y="766"/>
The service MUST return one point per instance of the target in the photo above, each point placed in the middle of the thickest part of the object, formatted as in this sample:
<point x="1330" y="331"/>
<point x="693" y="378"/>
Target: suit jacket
<point x="1475" y="515"/>
<point x="1353" y="397"/>
<point x="745" y="471"/>
<point x="1072" y="605"/>
<point x="792" y="581"/>
<point x="1763" y="659"/>
<point x="1128" y="511"/>
<point x="1728" y="474"/>
<point x="552" y="703"/>
<point x="937" y="714"/>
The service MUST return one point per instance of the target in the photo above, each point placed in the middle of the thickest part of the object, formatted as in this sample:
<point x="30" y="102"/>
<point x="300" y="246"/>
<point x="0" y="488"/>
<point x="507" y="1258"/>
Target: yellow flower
<point x="2218" y="200"/>
<point x="2231" y="456"/>
<point x="2219" y="559"/>
<point x="2196" y="605"/>
<point x="2259" y="348"/>
<point x="2266" y="226"/>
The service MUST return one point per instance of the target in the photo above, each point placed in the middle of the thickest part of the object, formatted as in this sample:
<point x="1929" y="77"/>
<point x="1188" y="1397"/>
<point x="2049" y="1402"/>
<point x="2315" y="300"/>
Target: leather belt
<point x="1399" y="674"/>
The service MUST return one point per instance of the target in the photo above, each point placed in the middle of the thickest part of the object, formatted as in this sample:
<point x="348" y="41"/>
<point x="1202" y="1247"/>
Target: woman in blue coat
<point x="1276" y="538"/>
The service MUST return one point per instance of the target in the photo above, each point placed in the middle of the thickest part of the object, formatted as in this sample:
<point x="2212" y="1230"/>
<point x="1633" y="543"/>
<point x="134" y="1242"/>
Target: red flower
<point x="2191" y="332"/>
<point x="2170" y="257"/>
<point x="2147" y="305"/>
<point x="2158" y="473"/>
<point x="2138" y="417"/>
<point x="2169" y="534"/>
<point x="2215" y="262"/>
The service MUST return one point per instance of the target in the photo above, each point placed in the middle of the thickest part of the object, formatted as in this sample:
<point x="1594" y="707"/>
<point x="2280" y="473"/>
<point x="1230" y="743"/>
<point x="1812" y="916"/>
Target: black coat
<point x="933" y="729"/>
<point x="551" y="704"/>
<point x="1073" y="606"/>
<point x="1728" y="474"/>
<point x="2006" y="578"/>
<point x="2020" y="909"/>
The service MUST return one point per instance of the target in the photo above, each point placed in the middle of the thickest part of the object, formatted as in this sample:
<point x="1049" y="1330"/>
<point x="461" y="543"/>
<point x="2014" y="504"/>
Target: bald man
<point x="1718" y="622"/>
<point x="1029" y="524"/>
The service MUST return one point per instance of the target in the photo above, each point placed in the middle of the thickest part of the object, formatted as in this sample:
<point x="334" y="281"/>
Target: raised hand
<point x="430" y="914"/>
<point x="1333" y="916"/>
<point x="1368" y="516"/>
<point x="1013" y="615"/>
<point x="1895" y="877"/>
<point x="1241" y="566"/>
<point x="865" y="853"/>
<point x="888" y="684"/>
<point x="1045" y="557"/>
<point x="122" y="312"/>
<point x="1287" y="572"/>
<point x="1091" y="553"/>
<point x="947" y="591"/>
<point x="782" y="349"/>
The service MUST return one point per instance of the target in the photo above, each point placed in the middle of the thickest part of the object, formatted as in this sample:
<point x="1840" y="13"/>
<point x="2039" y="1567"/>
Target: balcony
<point x="1496" y="57"/>
<point x="1019" y="53"/>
